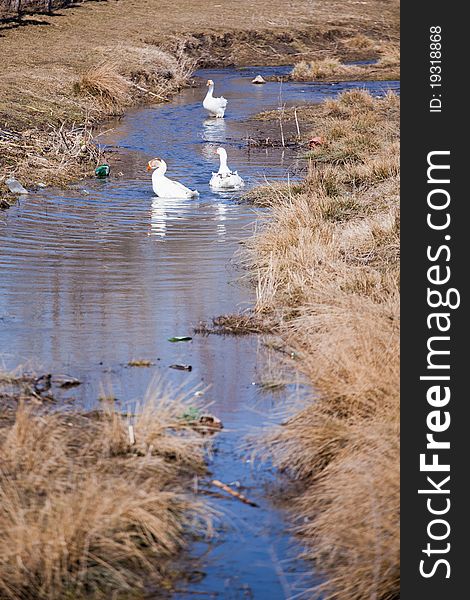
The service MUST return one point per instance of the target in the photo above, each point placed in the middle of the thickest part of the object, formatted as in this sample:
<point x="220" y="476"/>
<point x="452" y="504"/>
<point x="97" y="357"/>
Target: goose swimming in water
<point x="164" y="187"/>
<point x="225" y="179"/>
<point x="214" y="106"/>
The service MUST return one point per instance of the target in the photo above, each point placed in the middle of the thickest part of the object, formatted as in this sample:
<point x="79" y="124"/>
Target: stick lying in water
<point x="228" y="489"/>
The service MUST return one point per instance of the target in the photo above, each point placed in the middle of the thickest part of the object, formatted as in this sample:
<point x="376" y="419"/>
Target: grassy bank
<point x="53" y="140"/>
<point x="63" y="73"/>
<point x="384" y="66"/>
<point x="86" y="511"/>
<point x="327" y="267"/>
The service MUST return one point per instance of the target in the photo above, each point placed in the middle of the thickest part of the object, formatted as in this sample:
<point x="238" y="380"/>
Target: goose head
<point x="210" y="83"/>
<point x="155" y="163"/>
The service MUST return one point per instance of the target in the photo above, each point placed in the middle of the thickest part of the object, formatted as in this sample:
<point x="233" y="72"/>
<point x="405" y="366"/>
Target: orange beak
<point x="149" y="168"/>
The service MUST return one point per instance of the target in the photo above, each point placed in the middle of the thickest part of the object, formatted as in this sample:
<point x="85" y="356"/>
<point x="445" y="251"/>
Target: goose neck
<point x="223" y="160"/>
<point x="161" y="170"/>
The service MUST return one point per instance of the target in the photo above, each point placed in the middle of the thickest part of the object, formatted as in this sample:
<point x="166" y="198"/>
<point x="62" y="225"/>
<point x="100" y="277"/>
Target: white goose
<point x="164" y="187"/>
<point x="214" y="106"/>
<point x="225" y="179"/>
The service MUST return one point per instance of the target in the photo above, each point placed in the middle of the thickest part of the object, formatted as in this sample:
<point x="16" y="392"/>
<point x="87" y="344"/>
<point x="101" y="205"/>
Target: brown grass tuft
<point x="104" y="83"/>
<point x="83" y="511"/>
<point x="387" y="65"/>
<point x="327" y="261"/>
<point x="360" y="42"/>
<point x="389" y="56"/>
<point x="319" y="69"/>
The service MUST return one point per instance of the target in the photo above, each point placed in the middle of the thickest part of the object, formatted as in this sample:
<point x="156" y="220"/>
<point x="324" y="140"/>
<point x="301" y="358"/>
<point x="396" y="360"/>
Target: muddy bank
<point x="271" y="47"/>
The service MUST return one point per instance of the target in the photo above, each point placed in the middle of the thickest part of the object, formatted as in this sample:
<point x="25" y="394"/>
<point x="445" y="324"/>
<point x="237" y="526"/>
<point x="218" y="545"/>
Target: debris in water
<point x="228" y="489"/>
<point x="67" y="382"/>
<point x="180" y="338"/>
<point x="140" y="363"/>
<point x="258" y="79"/>
<point x="181" y="367"/>
<point x="191" y="414"/>
<point x="42" y="384"/>
<point x="102" y="171"/>
<point x="210" y="422"/>
<point x="316" y="141"/>
<point x="15" y="186"/>
<point x="204" y="422"/>
<point x="41" y="185"/>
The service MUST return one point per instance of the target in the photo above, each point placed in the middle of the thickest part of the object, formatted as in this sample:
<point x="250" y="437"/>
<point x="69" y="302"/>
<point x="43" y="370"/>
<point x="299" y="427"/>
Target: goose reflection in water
<point x="221" y="218"/>
<point x="165" y="210"/>
<point x="214" y="130"/>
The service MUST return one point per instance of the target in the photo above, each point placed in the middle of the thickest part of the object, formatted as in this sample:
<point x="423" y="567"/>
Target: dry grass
<point x="52" y="155"/>
<point x="360" y="42"/>
<point x="327" y="261"/>
<point x="325" y="68"/>
<point x="389" y="56"/>
<point x="104" y="83"/>
<point x="332" y="69"/>
<point x="83" y="511"/>
<point x="60" y="150"/>
<point x="385" y="67"/>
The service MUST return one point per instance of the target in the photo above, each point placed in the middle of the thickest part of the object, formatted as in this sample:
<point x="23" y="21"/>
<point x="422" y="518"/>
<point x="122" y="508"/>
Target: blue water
<point x="102" y="273"/>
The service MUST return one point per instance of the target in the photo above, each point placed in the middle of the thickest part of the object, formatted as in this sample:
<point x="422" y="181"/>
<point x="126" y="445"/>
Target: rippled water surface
<point x="97" y="275"/>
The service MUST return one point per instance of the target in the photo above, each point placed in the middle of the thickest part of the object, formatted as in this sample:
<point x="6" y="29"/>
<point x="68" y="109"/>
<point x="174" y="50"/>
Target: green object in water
<point x="102" y="171"/>
<point x="180" y="338"/>
<point x="191" y="414"/>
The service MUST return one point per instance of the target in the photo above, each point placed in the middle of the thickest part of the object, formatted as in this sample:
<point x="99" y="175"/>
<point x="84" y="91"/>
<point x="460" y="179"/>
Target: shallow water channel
<point x="103" y="273"/>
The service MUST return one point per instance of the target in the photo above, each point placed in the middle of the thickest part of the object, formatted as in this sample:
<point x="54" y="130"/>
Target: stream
<point x="102" y="273"/>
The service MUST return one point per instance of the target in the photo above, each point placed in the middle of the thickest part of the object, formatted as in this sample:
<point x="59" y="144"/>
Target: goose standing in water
<point x="164" y="187"/>
<point x="214" y="106"/>
<point x="225" y="179"/>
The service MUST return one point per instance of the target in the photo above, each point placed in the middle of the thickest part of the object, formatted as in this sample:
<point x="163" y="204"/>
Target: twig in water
<point x="228" y="489"/>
